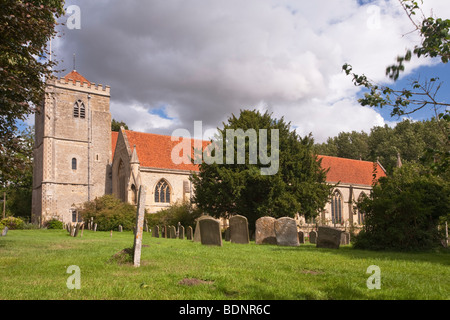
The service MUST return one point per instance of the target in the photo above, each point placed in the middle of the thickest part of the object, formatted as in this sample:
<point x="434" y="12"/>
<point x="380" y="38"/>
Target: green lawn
<point x="33" y="265"/>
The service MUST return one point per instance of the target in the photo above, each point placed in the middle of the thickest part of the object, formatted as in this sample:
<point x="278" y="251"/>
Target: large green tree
<point x="405" y="210"/>
<point x="25" y="29"/>
<point x="298" y="186"/>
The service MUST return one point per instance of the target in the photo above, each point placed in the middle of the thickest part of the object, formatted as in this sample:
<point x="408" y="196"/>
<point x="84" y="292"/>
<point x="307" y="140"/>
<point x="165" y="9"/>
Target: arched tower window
<point x="336" y="207"/>
<point x="162" y="192"/>
<point x="74" y="163"/>
<point x="76" y="110"/>
<point x="79" y="110"/>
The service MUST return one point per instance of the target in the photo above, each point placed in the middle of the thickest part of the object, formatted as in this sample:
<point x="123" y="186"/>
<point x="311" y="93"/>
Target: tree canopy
<point x="223" y="189"/>
<point x="25" y="29"/>
<point x="422" y="93"/>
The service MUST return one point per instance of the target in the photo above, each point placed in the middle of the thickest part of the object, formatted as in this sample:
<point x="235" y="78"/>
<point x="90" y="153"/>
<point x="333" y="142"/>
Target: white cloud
<point x="204" y="60"/>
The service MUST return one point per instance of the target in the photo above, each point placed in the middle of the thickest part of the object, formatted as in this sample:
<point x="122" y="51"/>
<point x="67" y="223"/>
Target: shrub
<point x="404" y="211"/>
<point x="12" y="223"/>
<point x="54" y="224"/>
<point x="182" y="212"/>
<point x="109" y="212"/>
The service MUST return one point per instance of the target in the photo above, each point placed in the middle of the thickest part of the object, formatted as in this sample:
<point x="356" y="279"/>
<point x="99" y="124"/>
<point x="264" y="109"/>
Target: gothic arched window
<point x="162" y="192"/>
<point x="76" y="110"/>
<point x="336" y="207"/>
<point x="79" y="109"/>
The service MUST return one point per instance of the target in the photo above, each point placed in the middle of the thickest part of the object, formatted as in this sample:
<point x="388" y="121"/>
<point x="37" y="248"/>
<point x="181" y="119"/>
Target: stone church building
<point x="77" y="158"/>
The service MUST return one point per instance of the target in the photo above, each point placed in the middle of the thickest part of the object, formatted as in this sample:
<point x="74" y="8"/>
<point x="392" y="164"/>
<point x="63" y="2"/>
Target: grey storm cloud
<point x="170" y="63"/>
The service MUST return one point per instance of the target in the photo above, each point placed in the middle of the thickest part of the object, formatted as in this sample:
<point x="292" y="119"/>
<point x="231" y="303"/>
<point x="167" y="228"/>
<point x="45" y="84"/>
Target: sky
<point x="170" y="63"/>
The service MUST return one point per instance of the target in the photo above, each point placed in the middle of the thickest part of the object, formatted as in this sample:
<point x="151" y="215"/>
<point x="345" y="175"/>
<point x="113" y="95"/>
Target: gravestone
<point x="140" y="213"/>
<point x="155" y="232"/>
<point x="95" y="227"/>
<point x="210" y="232"/>
<point x="189" y="232"/>
<point x="197" y="233"/>
<point x="172" y="232"/>
<point x="239" y="230"/>
<point x="286" y="232"/>
<point x="227" y="234"/>
<point x="121" y="229"/>
<point x="345" y="238"/>
<point x="77" y="229"/>
<point x="82" y="229"/>
<point x="265" y="231"/>
<point x="5" y="231"/>
<point x="163" y="231"/>
<point x="301" y="237"/>
<point x="181" y="232"/>
<point x="328" y="237"/>
<point x="313" y="237"/>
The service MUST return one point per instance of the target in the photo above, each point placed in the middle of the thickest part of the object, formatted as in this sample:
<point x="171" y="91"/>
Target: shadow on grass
<point x="438" y="256"/>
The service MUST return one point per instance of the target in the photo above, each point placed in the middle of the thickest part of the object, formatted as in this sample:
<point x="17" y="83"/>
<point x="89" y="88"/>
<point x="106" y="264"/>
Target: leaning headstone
<point x="82" y="230"/>
<point x="301" y="237"/>
<point x="189" y="232"/>
<point x="5" y="232"/>
<point x="265" y="231"/>
<point x="77" y="229"/>
<point x="120" y="228"/>
<point x="313" y="237"/>
<point x="181" y="232"/>
<point x="286" y="232"/>
<point x="197" y="233"/>
<point x="140" y="213"/>
<point x="155" y="232"/>
<point x="328" y="237"/>
<point x="210" y="232"/>
<point x="239" y="230"/>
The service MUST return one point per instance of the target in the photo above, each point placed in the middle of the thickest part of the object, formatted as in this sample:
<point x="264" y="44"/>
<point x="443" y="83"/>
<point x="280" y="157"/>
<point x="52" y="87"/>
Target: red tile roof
<point x="351" y="171"/>
<point x="75" y="76"/>
<point x="155" y="150"/>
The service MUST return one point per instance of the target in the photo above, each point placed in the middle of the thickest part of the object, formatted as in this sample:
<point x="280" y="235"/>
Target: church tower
<point x="72" y="154"/>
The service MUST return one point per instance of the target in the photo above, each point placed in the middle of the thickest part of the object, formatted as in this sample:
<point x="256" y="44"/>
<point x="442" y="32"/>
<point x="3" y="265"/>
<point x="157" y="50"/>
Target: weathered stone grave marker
<point x="197" y="233"/>
<point x="189" y="233"/>
<point x="155" y="232"/>
<point x="5" y="231"/>
<point x="301" y="237"/>
<point x="239" y="230"/>
<point x="313" y="237"/>
<point x="286" y="232"/>
<point x="265" y="231"/>
<point x="140" y="213"/>
<point x="210" y="232"/>
<point x="172" y="232"/>
<point x="328" y="237"/>
<point x="181" y="232"/>
<point x="345" y="238"/>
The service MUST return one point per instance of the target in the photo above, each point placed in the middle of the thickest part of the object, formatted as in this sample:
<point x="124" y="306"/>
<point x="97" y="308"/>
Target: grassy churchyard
<point x="34" y="265"/>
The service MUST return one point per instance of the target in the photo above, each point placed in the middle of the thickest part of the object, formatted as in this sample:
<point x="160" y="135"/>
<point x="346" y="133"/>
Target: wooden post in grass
<point x="139" y="227"/>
